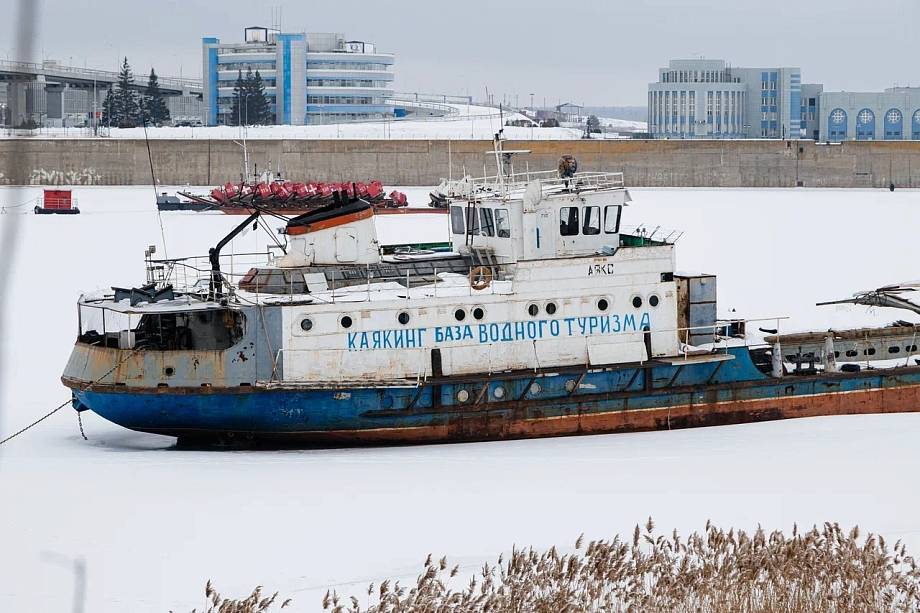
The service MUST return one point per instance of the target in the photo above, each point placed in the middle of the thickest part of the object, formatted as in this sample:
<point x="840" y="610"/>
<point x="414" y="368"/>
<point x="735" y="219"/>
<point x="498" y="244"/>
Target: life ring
<point x="480" y="277"/>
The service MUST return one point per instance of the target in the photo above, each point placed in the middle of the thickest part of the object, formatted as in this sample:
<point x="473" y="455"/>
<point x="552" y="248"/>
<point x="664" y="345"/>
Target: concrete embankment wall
<point x="664" y="163"/>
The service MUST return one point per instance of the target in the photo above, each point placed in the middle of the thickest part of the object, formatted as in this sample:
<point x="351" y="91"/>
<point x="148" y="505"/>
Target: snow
<point x="468" y="122"/>
<point x="153" y="523"/>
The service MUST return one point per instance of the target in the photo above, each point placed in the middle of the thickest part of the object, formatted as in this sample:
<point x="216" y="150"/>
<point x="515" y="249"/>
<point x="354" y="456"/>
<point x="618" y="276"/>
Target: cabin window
<point x="488" y="225"/>
<point x="592" y="220"/>
<point x="611" y="219"/>
<point x="456" y="220"/>
<point x="472" y="221"/>
<point x="502" y="223"/>
<point x="568" y="221"/>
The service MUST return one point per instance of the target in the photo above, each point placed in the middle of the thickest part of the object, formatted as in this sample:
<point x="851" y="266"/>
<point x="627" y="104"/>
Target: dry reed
<point x="255" y="603"/>
<point x="824" y="570"/>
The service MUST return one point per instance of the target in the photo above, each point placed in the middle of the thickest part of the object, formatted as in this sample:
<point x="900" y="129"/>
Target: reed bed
<point x="254" y="603"/>
<point x="826" y="570"/>
<point x="823" y="570"/>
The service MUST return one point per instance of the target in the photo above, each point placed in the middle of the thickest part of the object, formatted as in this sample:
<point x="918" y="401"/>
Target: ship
<point x="542" y="316"/>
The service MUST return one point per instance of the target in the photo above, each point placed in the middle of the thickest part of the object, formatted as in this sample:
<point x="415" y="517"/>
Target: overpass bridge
<point x="54" y="79"/>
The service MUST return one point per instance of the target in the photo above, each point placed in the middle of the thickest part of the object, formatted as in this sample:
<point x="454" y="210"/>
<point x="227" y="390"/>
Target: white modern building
<point x="890" y="115"/>
<point x="711" y="99"/>
<point x="309" y="78"/>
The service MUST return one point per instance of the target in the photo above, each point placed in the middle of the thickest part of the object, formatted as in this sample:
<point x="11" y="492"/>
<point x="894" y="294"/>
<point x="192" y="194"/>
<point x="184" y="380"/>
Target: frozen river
<point x="154" y="524"/>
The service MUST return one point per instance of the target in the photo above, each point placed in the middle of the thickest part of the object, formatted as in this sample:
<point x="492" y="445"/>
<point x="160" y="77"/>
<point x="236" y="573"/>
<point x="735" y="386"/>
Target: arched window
<point x="894" y="121"/>
<point x="865" y="125"/>
<point x="837" y="125"/>
<point x="915" y="128"/>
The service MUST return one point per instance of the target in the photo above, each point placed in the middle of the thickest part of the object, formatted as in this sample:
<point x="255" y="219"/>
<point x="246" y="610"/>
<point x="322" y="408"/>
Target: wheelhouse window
<point x="456" y="220"/>
<point x="592" y="220"/>
<point x="568" y="221"/>
<point x="472" y="221"/>
<point x="502" y="223"/>
<point x="611" y="219"/>
<point x="488" y="225"/>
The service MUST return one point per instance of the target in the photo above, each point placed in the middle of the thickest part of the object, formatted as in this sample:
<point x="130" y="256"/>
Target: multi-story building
<point x="309" y="78"/>
<point x="710" y="99"/>
<point x="890" y="115"/>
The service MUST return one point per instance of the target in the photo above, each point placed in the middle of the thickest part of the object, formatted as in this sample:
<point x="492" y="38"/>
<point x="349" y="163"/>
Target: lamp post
<point x="532" y="116"/>
<point x="8" y="51"/>
<point x="180" y="64"/>
<point x="78" y="567"/>
<point x="117" y="57"/>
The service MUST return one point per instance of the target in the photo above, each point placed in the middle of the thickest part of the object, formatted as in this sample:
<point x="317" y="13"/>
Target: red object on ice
<point x="263" y="191"/>
<point x="219" y="195"/>
<point x="374" y="190"/>
<point x="58" y="199"/>
<point x="398" y="198"/>
<point x="230" y="191"/>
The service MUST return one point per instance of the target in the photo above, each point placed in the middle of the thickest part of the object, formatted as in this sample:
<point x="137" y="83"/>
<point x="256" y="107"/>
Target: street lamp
<point x="180" y="63"/>
<point x="118" y="57"/>
<point x="532" y="116"/>
<point x="76" y="565"/>
<point x="7" y="52"/>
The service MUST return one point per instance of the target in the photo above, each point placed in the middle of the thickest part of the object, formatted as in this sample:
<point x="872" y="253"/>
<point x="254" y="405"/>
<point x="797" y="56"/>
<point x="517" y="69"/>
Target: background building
<point x="309" y="78"/>
<point x="890" y="115"/>
<point x="710" y="99"/>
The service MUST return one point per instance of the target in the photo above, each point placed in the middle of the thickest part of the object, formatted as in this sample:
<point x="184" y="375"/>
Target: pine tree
<point x="153" y="105"/>
<point x="109" y="108"/>
<point x="236" y="108"/>
<point x="127" y="106"/>
<point x="259" y="109"/>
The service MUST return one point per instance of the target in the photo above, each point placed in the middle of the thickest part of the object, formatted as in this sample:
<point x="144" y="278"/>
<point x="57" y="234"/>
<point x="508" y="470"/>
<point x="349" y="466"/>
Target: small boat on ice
<point x="542" y="317"/>
<point x="57" y="202"/>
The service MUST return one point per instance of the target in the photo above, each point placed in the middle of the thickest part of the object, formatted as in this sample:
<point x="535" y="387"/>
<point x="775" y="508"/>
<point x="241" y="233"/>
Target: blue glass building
<point x="309" y="78"/>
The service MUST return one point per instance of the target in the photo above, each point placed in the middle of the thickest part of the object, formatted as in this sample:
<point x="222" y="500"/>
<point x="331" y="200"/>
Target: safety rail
<point x="90" y="74"/>
<point x="513" y="184"/>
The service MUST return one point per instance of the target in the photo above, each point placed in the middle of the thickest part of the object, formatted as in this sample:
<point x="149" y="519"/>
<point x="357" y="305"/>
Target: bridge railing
<point x="90" y="74"/>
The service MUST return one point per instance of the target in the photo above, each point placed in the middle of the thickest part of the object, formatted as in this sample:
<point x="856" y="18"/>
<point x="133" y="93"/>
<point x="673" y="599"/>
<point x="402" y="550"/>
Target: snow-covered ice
<point x="154" y="524"/>
<point x="468" y="122"/>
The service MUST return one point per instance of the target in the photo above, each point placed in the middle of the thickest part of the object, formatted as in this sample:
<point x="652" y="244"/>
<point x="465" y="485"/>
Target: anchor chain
<point x="35" y="423"/>
<point x="79" y="419"/>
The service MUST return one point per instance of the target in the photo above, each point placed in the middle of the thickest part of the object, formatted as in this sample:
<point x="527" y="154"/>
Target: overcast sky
<point x="595" y="52"/>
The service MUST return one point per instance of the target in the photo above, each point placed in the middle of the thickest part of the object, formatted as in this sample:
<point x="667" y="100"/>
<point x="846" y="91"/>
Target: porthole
<point x="533" y="310"/>
<point x="550" y="308"/>
<point x="499" y="392"/>
<point x="535" y="389"/>
<point x="478" y="313"/>
<point x="911" y="348"/>
<point x="602" y="304"/>
<point x="403" y="317"/>
<point x="306" y="324"/>
<point x="346" y="321"/>
<point x="851" y="353"/>
<point x="637" y="302"/>
<point x="570" y="385"/>
<point x="459" y="314"/>
<point x="894" y="349"/>
<point x="836" y="354"/>
<point x="169" y="371"/>
<point x="654" y="300"/>
<point x="463" y="395"/>
<point x="869" y="351"/>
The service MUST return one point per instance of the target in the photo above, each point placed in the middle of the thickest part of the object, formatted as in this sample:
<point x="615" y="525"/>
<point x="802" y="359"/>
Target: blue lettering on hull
<point x="505" y="332"/>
